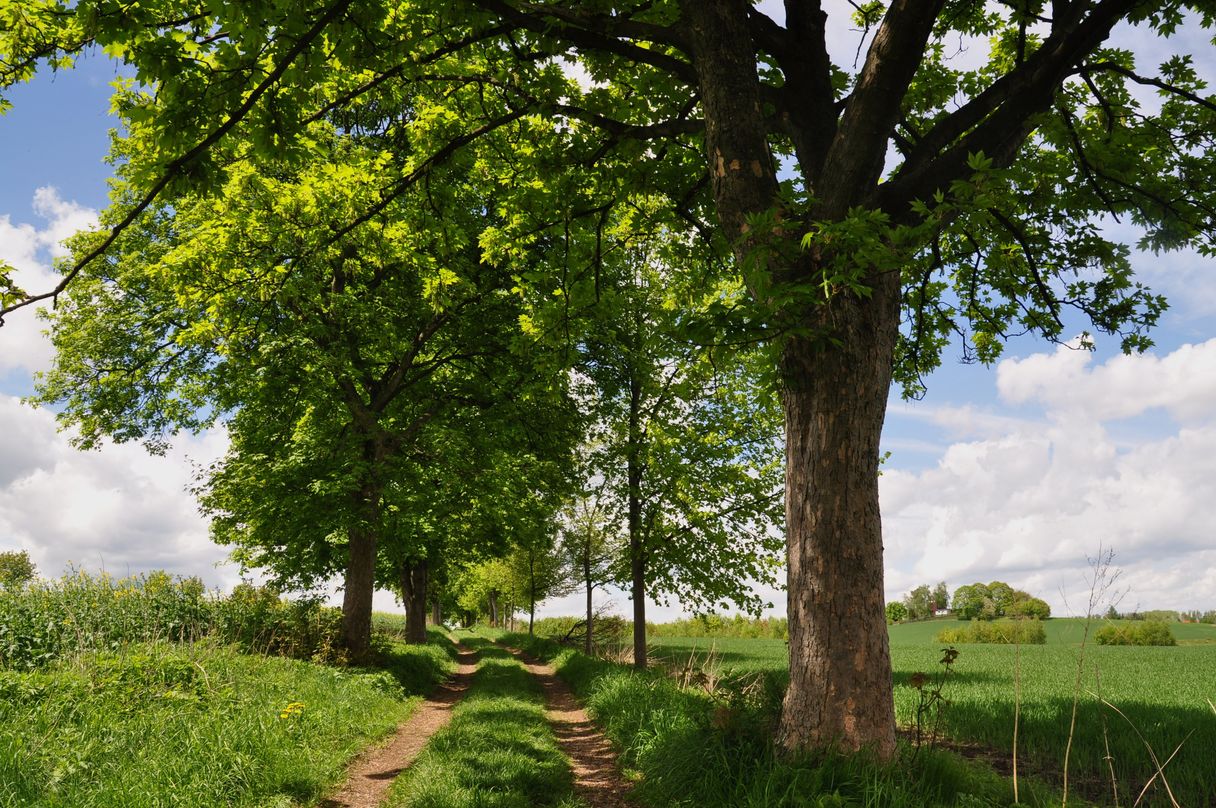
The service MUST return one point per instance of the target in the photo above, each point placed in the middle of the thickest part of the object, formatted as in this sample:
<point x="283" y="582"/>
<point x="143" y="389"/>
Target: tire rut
<point x="597" y="777"/>
<point x="371" y="775"/>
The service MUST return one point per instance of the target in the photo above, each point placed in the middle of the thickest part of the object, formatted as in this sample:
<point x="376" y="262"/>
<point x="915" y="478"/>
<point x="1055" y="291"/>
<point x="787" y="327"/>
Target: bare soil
<point x="597" y="777"/>
<point x="371" y="775"/>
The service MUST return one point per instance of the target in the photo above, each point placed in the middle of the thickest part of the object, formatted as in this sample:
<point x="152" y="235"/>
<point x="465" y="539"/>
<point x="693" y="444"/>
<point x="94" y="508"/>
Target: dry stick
<point x="1110" y="761"/>
<point x="1099" y="585"/>
<point x="1017" y="708"/>
<point x="1153" y="756"/>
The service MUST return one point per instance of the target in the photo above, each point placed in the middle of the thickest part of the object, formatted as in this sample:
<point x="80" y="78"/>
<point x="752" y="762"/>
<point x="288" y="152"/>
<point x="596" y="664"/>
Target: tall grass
<point x="159" y="724"/>
<point x="50" y="620"/>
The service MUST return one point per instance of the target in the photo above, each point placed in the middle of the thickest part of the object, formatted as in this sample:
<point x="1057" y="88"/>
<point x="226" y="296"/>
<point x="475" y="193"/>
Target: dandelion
<point x="291" y="710"/>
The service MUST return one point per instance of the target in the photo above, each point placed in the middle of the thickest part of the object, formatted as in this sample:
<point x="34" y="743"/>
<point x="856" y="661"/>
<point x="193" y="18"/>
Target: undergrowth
<point x="50" y="620"/>
<point x="693" y="748"/>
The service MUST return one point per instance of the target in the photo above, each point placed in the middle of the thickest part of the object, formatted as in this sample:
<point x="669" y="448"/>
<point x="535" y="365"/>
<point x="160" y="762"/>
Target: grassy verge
<point x="498" y="751"/>
<point x="197" y="725"/>
<point x="1162" y="695"/>
<point x="691" y="749"/>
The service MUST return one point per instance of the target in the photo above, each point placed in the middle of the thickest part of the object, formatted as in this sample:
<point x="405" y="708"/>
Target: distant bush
<point x="714" y="625"/>
<point x="1008" y="632"/>
<point x="1147" y="632"/>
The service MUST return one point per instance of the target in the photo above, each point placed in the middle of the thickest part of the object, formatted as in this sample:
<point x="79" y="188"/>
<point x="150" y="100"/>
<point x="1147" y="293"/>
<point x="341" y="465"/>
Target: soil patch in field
<point x="371" y="775"/>
<point x="597" y="778"/>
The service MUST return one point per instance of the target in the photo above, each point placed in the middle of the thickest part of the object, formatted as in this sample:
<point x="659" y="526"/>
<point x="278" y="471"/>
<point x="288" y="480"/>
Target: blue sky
<point x="1017" y="472"/>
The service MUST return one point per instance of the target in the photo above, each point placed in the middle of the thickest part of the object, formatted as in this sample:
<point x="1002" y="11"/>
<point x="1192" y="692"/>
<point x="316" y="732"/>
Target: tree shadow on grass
<point x="1043" y="734"/>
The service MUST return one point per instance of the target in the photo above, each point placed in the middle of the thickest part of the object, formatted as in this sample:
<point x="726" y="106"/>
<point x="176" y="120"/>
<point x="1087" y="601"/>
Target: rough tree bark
<point x="414" y="575"/>
<point x="835" y="401"/>
<point x="356" y="594"/>
<point x="360" y="582"/>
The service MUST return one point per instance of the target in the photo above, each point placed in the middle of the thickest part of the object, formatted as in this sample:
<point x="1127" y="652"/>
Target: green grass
<point x="200" y="725"/>
<point x="498" y="751"/>
<point x="1163" y="692"/>
<point x="689" y="748"/>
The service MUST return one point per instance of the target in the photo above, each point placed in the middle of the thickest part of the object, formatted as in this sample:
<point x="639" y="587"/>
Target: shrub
<point x="1009" y="632"/>
<point x="45" y="621"/>
<point x="1148" y="632"/>
<point x="714" y="625"/>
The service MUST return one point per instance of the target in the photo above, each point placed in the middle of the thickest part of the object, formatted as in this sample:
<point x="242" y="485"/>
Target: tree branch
<point x="176" y="165"/>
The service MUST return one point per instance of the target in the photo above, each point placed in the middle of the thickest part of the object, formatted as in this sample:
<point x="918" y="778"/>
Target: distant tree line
<point x="1164" y="615"/>
<point x="976" y="601"/>
<point x="998" y="599"/>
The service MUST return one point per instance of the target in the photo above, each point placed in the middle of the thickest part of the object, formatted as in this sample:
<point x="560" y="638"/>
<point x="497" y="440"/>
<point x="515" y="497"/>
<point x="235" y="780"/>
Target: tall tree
<point x="330" y="361"/>
<point x="925" y="200"/>
<point x="688" y="437"/>
<point x="590" y="540"/>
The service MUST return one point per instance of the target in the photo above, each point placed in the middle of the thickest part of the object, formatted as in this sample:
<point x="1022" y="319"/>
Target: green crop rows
<point x="1161" y="695"/>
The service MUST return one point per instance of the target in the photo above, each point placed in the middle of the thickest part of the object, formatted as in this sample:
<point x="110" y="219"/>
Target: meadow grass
<point x="1162" y="693"/>
<point x="200" y="725"/>
<point x="497" y="752"/>
<point x="687" y="747"/>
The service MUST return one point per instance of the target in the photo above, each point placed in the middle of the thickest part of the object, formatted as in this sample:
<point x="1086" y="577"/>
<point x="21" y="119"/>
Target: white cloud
<point x="29" y="250"/>
<point x="1031" y="505"/>
<point x="1182" y="383"/>
<point x="118" y="508"/>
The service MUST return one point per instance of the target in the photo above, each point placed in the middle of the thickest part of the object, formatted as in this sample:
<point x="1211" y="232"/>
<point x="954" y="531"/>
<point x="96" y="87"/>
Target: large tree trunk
<point x="835" y="387"/>
<point x="357" y="593"/>
<point x="413" y="590"/>
<point x="835" y="399"/>
<point x="436" y="614"/>
<point x="492" y="598"/>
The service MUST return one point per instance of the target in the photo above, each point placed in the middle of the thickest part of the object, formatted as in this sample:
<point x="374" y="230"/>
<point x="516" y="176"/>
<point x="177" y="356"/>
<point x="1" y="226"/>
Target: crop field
<point x="1161" y="695"/>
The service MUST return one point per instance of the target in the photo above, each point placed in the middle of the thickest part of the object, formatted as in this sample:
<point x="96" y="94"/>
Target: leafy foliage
<point x="997" y="599"/>
<point x="1007" y="632"/>
<point x="16" y="569"/>
<point x="1136" y="632"/>
<point x="51" y="621"/>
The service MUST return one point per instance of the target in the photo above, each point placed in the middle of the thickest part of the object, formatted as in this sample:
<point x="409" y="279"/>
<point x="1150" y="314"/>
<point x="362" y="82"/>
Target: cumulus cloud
<point x="1182" y="383"/>
<point x="1031" y="505"/>
<point x="117" y="508"/>
<point x="30" y="250"/>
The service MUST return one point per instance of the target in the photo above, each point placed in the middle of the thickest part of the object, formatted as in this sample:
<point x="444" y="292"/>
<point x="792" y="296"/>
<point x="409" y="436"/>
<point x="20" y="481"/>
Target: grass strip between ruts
<point x="497" y="752"/>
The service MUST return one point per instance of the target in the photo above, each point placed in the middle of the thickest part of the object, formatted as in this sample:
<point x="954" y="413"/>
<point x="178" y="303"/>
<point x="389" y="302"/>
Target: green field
<point x="1164" y="694"/>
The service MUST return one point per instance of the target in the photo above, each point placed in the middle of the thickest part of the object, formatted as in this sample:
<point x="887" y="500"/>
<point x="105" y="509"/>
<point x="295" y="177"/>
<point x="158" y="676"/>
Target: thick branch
<point x="855" y="159"/>
<point x="543" y="20"/>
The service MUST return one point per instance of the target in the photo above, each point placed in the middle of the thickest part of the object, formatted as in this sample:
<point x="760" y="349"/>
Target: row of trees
<point x="367" y="235"/>
<point x="415" y="403"/>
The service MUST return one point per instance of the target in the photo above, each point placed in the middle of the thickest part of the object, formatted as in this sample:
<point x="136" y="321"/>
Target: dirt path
<point x="597" y="779"/>
<point x="371" y="775"/>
